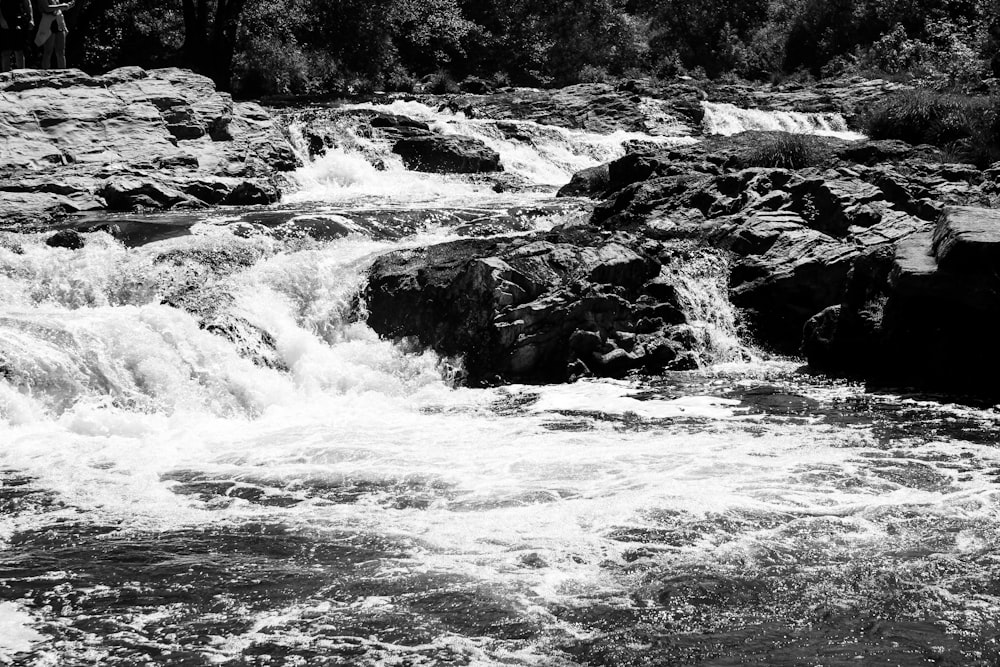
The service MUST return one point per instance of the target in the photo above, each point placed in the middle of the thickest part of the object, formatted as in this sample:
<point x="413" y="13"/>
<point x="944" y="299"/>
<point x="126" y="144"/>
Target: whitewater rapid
<point x="167" y="500"/>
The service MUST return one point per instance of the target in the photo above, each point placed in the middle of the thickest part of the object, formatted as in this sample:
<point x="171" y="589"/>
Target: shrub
<point x="782" y="150"/>
<point x="440" y="83"/>
<point x="400" y="80"/>
<point x="967" y="127"/>
<point x="593" y="74"/>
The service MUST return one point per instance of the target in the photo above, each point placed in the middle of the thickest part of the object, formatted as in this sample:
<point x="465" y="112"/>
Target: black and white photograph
<point x="499" y="333"/>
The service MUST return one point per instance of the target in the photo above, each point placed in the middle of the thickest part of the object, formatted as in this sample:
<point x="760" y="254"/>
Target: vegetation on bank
<point x="967" y="127"/>
<point x="261" y="47"/>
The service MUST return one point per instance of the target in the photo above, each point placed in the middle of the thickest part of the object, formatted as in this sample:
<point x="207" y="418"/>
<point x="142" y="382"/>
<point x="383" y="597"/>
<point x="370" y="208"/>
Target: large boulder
<point x="795" y="233"/>
<point x="541" y="308"/>
<point x="920" y="312"/>
<point x="128" y="139"/>
<point x="450" y="154"/>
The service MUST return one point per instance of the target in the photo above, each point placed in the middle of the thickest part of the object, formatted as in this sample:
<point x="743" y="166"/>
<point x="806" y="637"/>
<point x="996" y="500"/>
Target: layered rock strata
<point x="131" y="139"/>
<point x="541" y="308"/>
<point x="924" y="311"/>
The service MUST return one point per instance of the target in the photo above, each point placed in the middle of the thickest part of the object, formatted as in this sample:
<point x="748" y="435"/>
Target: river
<point x="164" y="500"/>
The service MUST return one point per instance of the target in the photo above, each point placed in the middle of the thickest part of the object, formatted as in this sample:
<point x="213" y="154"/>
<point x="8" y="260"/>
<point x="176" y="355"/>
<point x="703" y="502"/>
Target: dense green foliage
<point x="314" y="46"/>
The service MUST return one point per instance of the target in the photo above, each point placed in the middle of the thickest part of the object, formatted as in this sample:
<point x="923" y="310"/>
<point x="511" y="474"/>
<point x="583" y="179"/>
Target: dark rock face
<point x="795" y="234"/>
<point x="447" y="154"/>
<point x="537" y="309"/>
<point x="131" y="139"/>
<point x="923" y="312"/>
<point x="67" y="238"/>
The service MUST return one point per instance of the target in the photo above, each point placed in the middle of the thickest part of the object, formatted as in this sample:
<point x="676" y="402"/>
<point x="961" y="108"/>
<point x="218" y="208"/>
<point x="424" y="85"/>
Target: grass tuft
<point x="785" y="151"/>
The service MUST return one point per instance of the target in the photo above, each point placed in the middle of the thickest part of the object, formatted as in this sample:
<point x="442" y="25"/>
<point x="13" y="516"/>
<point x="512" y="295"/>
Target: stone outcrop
<point x="131" y="139"/>
<point x="795" y="234"/>
<point x="447" y="154"/>
<point x="542" y="308"/>
<point x="923" y="311"/>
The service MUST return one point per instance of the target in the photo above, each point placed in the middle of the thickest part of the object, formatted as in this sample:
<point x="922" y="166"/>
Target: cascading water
<point x="166" y="500"/>
<point x="728" y="119"/>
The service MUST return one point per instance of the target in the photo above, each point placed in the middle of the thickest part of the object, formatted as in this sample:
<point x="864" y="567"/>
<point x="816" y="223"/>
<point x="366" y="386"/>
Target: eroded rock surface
<point x="542" y="308"/>
<point x="131" y="139"/>
<point x="923" y="311"/>
<point x="795" y="233"/>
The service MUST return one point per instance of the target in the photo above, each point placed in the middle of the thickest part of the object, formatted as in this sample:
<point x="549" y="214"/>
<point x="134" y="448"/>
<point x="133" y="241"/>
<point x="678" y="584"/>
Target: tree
<point x="211" y="28"/>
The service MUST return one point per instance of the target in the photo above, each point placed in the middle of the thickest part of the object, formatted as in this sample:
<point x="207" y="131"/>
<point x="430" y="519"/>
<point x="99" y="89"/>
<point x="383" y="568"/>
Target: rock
<point x="587" y="183"/>
<point x="123" y="193"/>
<point x="66" y="238"/>
<point x="447" y="154"/>
<point x="250" y="193"/>
<point x="967" y="240"/>
<point x="130" y="138"/>
<point x="541" y="308"/>
<point x="887" y="151"/>
<point x="914" y="313"/>
<point x="801" y="273"/>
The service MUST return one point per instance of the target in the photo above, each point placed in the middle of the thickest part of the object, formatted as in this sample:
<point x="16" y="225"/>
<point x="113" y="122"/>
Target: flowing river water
<point x="165" y="500"/>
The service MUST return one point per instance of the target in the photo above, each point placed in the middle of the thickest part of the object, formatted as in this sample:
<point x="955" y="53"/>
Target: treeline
<point x="259" y="47"/>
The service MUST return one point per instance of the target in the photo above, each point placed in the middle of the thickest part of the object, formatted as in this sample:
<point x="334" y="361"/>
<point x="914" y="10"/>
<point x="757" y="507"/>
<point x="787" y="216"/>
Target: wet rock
<point x="542" y="308"/>
<point x="66" y="238"/>
<point x="447" y="154"/>
<point x="587" y="183"/>
<point x="250" y="193"/>
<point x="126" y="194"/>
<point x="967" y="240"/>
<point x="914" y="313"/>
<point x="796" y="234"/>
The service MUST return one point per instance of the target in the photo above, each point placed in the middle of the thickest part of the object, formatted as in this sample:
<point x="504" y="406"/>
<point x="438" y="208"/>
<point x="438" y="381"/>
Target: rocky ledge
<point x="538" y="308"/>
<point x="131" y="139"/>
<point x="885" y="255"/>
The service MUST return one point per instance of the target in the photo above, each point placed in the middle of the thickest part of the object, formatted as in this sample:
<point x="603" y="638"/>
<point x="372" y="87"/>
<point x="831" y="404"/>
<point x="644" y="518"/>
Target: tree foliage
<point x="301" y="46"/>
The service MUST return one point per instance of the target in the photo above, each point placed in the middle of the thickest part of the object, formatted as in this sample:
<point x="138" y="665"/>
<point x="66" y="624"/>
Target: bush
<point x="440" y="83"/>
<point x="782" y="150"/>
<point x="965" y="126"/>
<point x="400" y="81"/>
<point x="594" y="74"/>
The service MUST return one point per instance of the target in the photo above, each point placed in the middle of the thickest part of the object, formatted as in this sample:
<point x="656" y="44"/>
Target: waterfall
<point x="728" y="119"/>
<point x="701" y="277"/>
<point x="359" y="161"/>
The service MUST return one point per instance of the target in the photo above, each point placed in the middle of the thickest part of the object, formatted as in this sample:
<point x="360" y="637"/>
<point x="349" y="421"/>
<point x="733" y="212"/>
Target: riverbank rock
<point x="131" y="138"/>
<point x="794" y="231"/>
<point x="920" y="312"/>
<point x="447" y="154"/>
<point x="541" y="308"/>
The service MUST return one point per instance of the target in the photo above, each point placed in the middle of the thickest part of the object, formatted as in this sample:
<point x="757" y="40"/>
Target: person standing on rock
<point x="16" y="22"/>
<point x="52" y="32"/>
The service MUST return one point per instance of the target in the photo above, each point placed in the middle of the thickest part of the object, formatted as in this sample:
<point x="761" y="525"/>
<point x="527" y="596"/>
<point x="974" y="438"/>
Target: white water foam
<point x="539" y="155"/>
<point x="16" y="632"/>
<point x="728" y="119"/>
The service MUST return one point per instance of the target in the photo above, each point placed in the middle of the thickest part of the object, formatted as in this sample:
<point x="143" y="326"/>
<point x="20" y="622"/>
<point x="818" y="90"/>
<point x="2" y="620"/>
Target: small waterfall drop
<point x="728" y="119"/>
<point x="359" y="161"/>
<point x="701" y="277"/>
